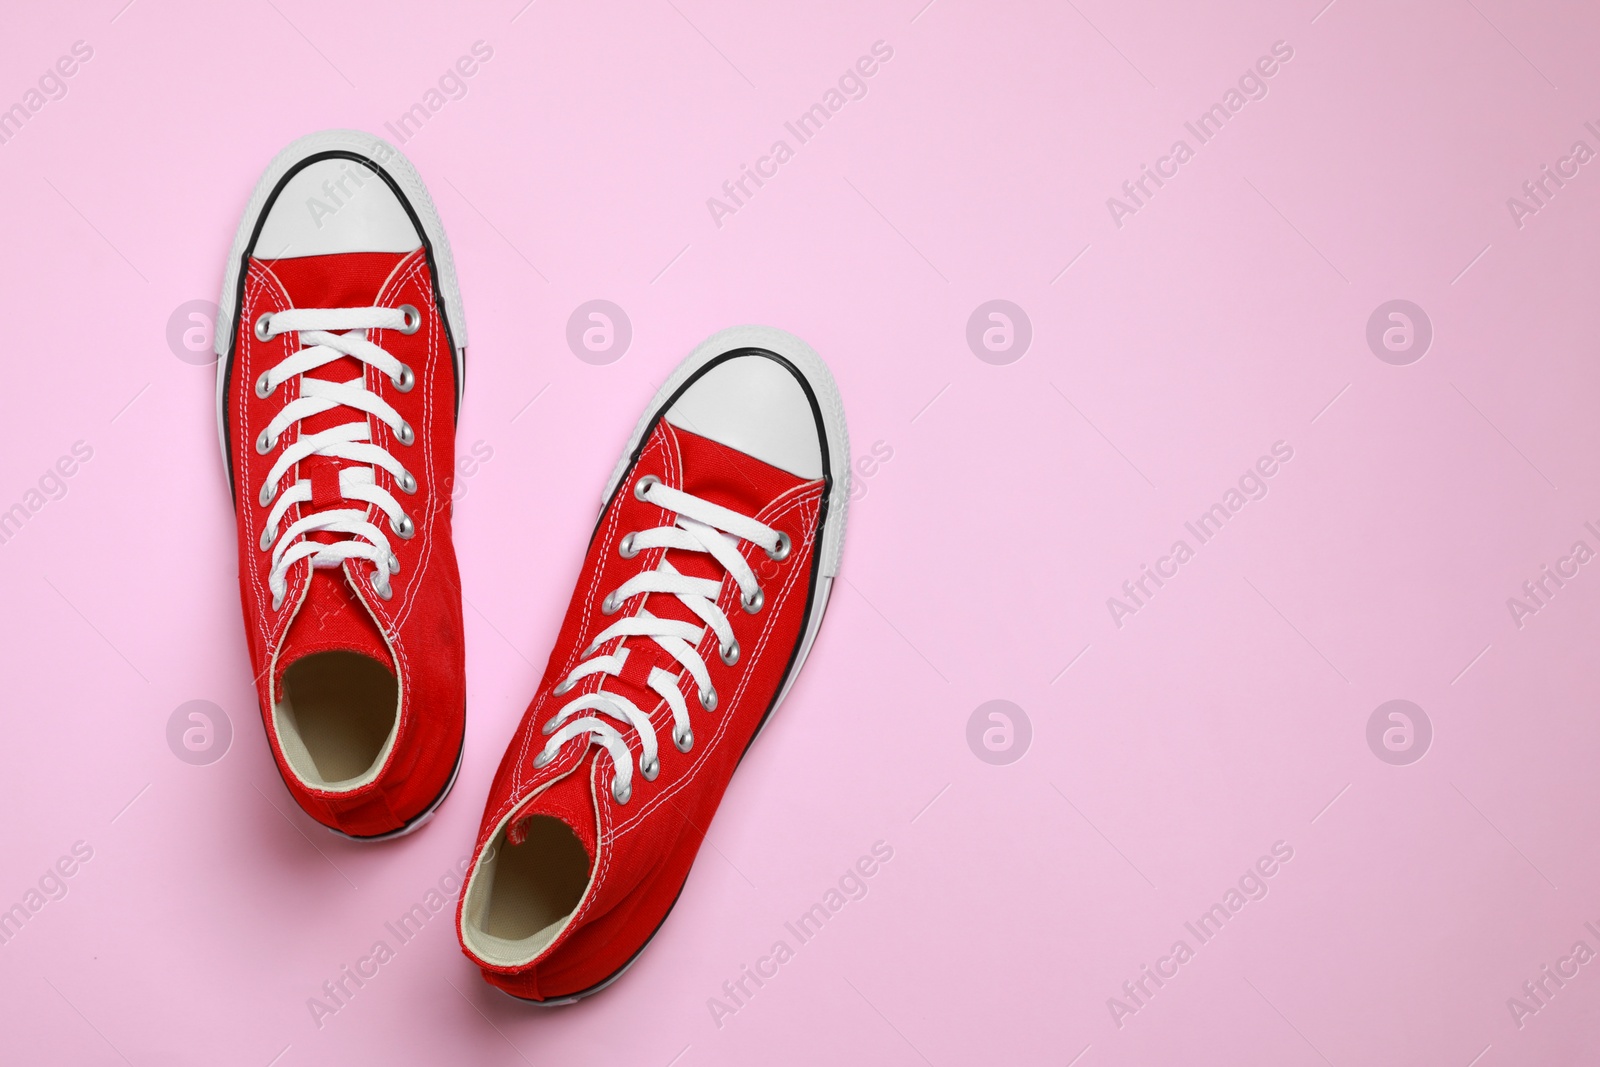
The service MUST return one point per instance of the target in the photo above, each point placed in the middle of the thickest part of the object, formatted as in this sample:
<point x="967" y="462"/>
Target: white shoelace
<point x="327" y="335"/>
<point x="700" y="526"/>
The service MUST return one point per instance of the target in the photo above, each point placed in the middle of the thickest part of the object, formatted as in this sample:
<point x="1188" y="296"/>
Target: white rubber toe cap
<point x="336" y="205"/>
<point x="755" y="405"/>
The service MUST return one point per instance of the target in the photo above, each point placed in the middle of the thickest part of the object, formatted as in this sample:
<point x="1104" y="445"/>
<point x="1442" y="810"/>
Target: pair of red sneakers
<point x="338" y="388"/>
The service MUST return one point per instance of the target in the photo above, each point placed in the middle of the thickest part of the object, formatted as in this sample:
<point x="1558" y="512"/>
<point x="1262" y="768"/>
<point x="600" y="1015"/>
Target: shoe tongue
<point x="332" y="617"/>
<point x="350" y="280"/>
<point x="346" y="280"/>
<point x="726" y="476"/>
<point x="568" y="800"/>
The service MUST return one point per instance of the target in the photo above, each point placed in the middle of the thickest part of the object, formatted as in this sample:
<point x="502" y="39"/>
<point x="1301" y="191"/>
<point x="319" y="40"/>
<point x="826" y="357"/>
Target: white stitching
<point x="800" y="501"/>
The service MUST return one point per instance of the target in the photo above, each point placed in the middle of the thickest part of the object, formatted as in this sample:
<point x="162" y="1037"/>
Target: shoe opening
<point x="522" y="895"/>
<point x="336" y="718"/>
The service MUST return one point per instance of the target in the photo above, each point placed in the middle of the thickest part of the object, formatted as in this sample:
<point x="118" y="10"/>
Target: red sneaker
<point x="337" y="388"/>
<point x="701" y="594"/>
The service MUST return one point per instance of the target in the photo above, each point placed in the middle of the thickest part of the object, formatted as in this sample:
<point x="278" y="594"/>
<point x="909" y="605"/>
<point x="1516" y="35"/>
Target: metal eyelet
<point x="625" y="549"/>
<point x="683" y="739"/>
<point x="621" y="793"/>
<point x="543" y="759"/>
<point x="610" y="604"/>
<point x="263" y="325"/>
<point x="708" y="699"/>
<point x="413" y="319"/>
<point x="386" y="591"/>
<point x="729" y="653"/>
<point x="752" y="604"/>
<point x="406" y="434"/>
<point x="404" y="528"/>
<point x="394" y="563"/>
<point x="642" y="486"/>
<point x="263" y="386"/>
<point x="650" y="768"/>
<point x="268" y="536"/>
<point x="268" y="492"/>
<point x="265" y="444"/>
<point x="781" y="550"/>
<point x="407" y="482"/>
<point x="548" y="728"/>
<point x="404" y="380"/>
<point x="563" y="688"/>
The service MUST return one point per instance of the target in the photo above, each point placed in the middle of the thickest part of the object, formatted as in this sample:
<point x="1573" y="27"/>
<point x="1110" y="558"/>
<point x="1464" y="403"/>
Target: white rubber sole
<point x="565" y="1001"/>
<point x="408" y="183"/>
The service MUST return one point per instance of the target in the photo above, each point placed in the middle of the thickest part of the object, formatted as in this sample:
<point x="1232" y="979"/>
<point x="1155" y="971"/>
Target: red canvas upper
<point x="640" y="852"/>
<point x="416" y="634"/>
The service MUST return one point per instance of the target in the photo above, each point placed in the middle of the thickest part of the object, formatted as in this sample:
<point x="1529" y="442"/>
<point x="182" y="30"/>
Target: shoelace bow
<point x="327" y="335"/>
<point x="699" y="526"/>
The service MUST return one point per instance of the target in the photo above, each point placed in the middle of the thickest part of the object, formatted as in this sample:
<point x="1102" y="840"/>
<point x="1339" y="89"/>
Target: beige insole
<point x="337" y="713"/>
<point x="537" y="884"/>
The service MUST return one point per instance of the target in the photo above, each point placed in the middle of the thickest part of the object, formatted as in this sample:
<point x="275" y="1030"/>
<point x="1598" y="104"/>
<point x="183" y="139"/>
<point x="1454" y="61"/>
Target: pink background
<point x="1167" y="754"/>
